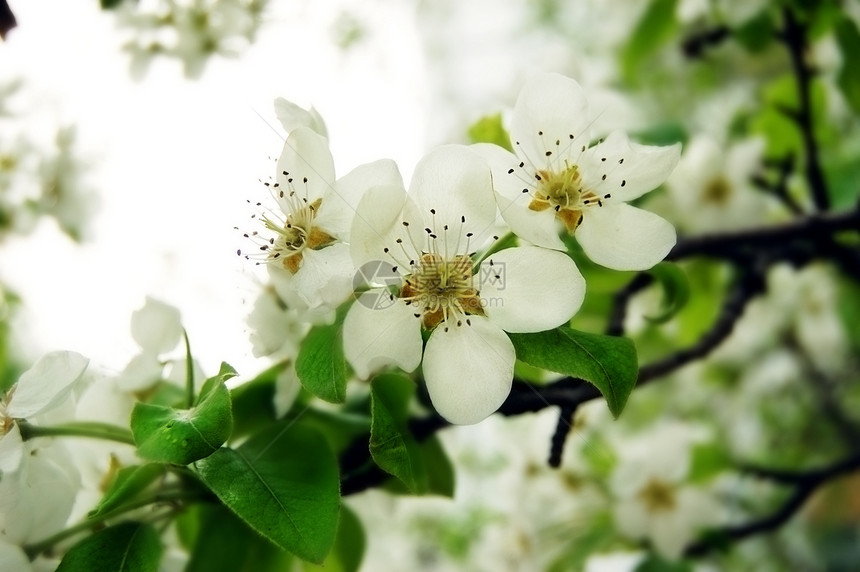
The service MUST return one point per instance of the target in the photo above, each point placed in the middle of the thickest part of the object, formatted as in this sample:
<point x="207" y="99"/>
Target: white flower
<point x="652" y="498"/>
<point x="712" y="185"/>
<point x="422" y="245"/>
<point x="309" y="247"/>
<point x="157" y="329"/>
<point x="41" y="388"/>
<point x="555" y="177"/>
<point x="291" y="116"/>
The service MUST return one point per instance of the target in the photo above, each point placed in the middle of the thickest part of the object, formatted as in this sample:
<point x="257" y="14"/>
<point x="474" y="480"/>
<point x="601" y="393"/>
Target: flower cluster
<point x="437" y="276"/>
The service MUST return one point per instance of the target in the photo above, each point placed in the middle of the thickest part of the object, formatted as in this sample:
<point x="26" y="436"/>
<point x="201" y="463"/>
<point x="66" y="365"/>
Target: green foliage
<point x="321" y="365"/>
<point x="110" y="4"/>
<point x="125" y="547"/>
<point x="608" y="362"/>
<point x="676" y="290"/>
<point x="254" y="402"/>
<point x="182" y="436"/>
<point x="128" y="483"/>
<point x="283" y="482"/>
<point x="339" y="428"/>
<point x="848" y="79"/>
<point x="348" y="550"/>
<point x="757" y="33"/>
<point x="441" y="479"/>
<point x="391" y="444"/>
<point x="580" y="542"/>
<point x="654" y="29"/>
<point x="708" y="460"/>
<point x="490" y="129"/>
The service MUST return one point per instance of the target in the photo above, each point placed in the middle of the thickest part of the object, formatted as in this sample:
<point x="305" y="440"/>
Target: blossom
<point x="422" y="245"/>
<point x="555" y="177"/>
<point x="39" y="389"/>
<point x="652" y="498"/>
<point x="307" y="246"/>
<point x="712" y="185"/>
<point x="157" y="329"/>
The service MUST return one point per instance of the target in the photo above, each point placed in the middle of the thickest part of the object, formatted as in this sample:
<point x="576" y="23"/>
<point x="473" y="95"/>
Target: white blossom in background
<point x="157" y="329"/>
<point x="422" y="247"/>
<point x="712" y="189"/>
<point x="41" y="389"/>
<point x="304" y="241"/>
<point x="555" y="181"/>
<point x="652" y="498"/>
<point x="191" y="31"/>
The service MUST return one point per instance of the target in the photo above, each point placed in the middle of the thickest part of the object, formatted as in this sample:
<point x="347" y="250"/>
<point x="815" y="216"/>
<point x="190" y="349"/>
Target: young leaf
<point x="254" y="402"/>
<point x="126" y="547"/>
<point x="848" y="79"/>
<point x="283" y="482"/>
<point x="490" y="129"/>
<point x="129" y="482"/>
<point x="676" y="291"/>
<point x="320" y="365"/>
<point x="440" y="470"/>
<point x="391" y="445"/>
<point x="348" y="548"/>
<point x="655" y="27"/>
<point x="608" y="362"/>
<point x="182" y="436"/>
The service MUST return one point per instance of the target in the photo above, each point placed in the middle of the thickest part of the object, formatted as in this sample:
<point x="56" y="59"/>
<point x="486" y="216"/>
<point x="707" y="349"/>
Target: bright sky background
<point x="174" y="161"/>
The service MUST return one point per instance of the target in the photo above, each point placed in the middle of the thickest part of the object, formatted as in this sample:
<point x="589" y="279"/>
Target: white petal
<point x="157" y="327"/>
<point x="378" y="332"/>
<point x="325" y="276"/>
<point x="339" y="207"/>
<point x="291" y="116"/>
<point x="287" y="387"/>
<point x="46" y="384"/>
<point x="670" y="532"/>
<point x="549" y="109"/>
<point x="141" y="373"/>
<point x="310" y="169"/>
<point x="509" y="181"/>
<point x="13" y="558"/>
<point x="530" y="289"/>
<point x="11" y="451"/>
<point x="622" y="237"/>
<point x="377" y="225"/>
<point x="468" y="369"/>
<point x="457" y="183"/>
<point x="631" y="518"/>
<point x="631" y="169"/>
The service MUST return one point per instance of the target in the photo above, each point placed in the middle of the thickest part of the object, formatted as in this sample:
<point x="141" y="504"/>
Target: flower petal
<point x="530" y="289"/>
<point x="46" y="384"/>
<point x="11" y="451"/>
<point x="457" y="184"/>
<point x="469" y="369"/>
<point x="549" y="110"/>
<point x="339" y="207"/>
<point x="379" y="331"/>
<point x="292" y="116"/>
<point x="157" y="327"/>
<point x="622" y="237"/>
<point x="377" y="224"/>
<point x="325" y="276"/>
<point x="630" y="169"/>
<point x="309" y="166"/>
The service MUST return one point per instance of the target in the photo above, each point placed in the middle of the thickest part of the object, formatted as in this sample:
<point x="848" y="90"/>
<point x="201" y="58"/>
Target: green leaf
<point x="708" y="460"/>
<point x="321" y="366"/>
<point x="606" y="361"/>
<point x="654" y="29"/>
<point x="489" y="129"/>
<point x="222" y="543"/>
<point x="391" y="444"/>
<point x="110" y="4"/>
<point x="254" y="402"/>
<point x="212" y="384"/>
<point x="128" y="483"/>
<point x="676" y="291"/>
<point x="181" y="436"/>
<point x="340" y="429"/>
<point x="848" y="79"/>
<point x="439" y="468"/>
<point x="126" y="547"/>
<point x="656" y="564"/>
<point x="283" y="482"/>
<point x="757" y="33"/>
<point x="348" y="548"/>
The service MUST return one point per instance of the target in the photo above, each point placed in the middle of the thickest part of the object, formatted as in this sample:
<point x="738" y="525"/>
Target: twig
<point x="805" y="483"/>
<point x="695" y="45"/>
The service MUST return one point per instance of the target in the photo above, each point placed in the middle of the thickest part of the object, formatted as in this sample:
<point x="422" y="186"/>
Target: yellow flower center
<point x="440" y="288"/>
<point x="295" y="235"/>
<point x="657" y="496"/>
<point x="563" y="192"/>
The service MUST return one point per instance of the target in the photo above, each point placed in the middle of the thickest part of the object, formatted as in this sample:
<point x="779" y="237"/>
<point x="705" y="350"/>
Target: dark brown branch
<point x="562" y="430"/>
<point x="695" y="45"/>
<point x="804" y="482"/>
<point x="7" y="19"/>
<point x="795" y="38"/>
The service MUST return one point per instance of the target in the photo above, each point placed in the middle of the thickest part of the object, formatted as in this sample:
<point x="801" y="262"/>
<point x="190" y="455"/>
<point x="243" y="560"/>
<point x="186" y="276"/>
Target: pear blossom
<point x="307" y="246"/>
<point x="43" y="387"/>
<point x="555" y="180"/>
<point x="423" y="243"/>
<point x="712" y="185"/>
<point x="292" y="115"/>
<point x="653" y="500"/>
<point x="157" y="329"/>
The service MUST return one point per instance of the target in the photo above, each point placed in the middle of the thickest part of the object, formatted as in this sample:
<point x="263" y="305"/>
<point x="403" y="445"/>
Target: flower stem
<point x="189" y="372"/>
<point x="506" y="241"/>
<point x="92" y="429"/>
